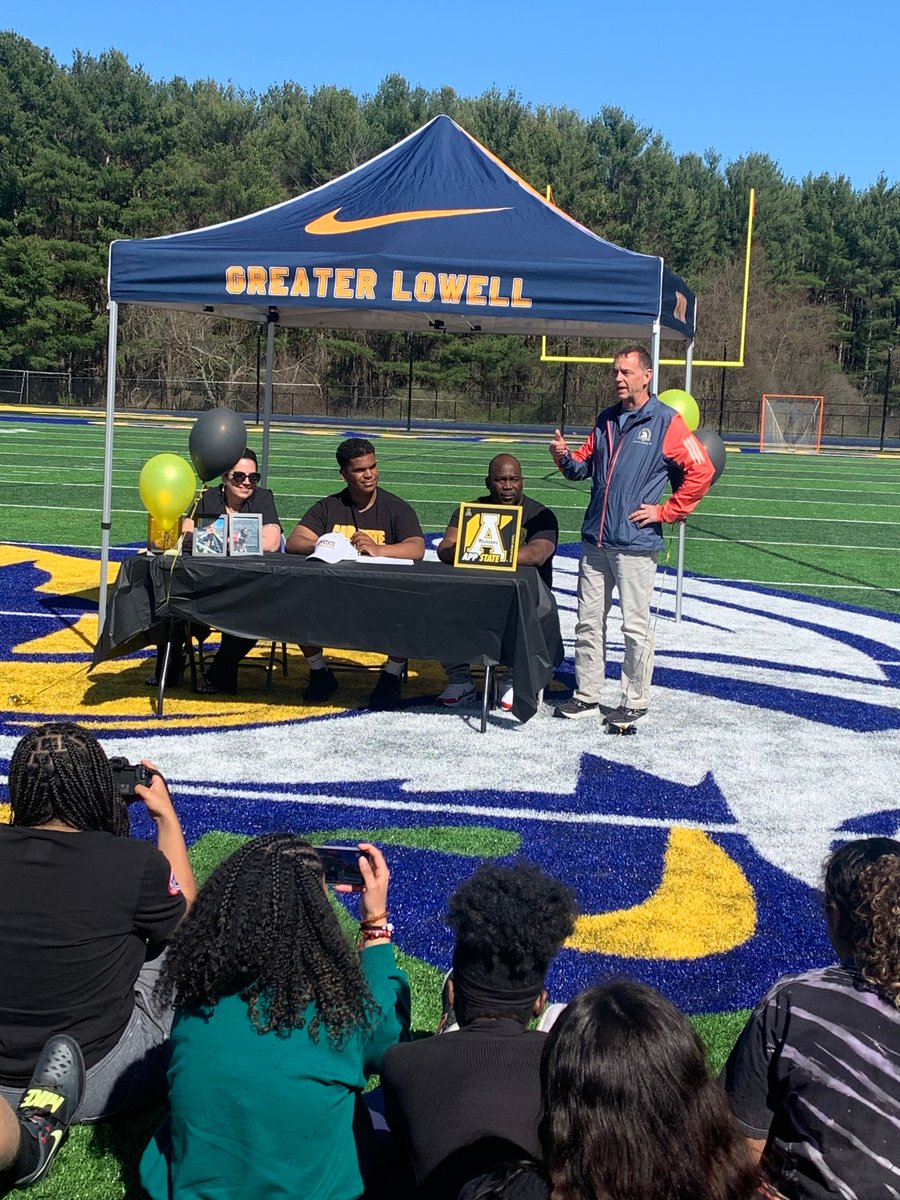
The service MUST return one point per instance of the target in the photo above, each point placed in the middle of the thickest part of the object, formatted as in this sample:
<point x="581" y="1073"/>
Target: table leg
<point x="486" y="697"/>
<point x="164" y="673"/>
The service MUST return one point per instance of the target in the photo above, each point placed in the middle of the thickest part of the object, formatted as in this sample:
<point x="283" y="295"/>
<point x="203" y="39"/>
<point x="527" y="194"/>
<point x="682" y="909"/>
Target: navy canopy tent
<point x="434" y="233"/>
<point x="436" y="229"/>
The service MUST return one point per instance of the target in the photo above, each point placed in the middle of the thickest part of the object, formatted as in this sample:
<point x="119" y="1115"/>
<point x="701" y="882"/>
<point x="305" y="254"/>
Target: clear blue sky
<point x="812" y="84"/>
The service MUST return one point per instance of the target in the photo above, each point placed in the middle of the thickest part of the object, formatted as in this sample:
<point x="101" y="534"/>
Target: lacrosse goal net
<point x="791" y="423"/>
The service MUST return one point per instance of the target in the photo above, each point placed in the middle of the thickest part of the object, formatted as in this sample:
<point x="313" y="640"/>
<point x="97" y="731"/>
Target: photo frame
<point x="210" y="537"/>
<point x="245" y="534"/>
<point x="488" y="536"/>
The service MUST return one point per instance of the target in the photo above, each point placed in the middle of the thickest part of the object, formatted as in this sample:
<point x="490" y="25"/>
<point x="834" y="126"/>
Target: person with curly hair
<point x="280" y="1020"/>
<point x="85" y="911"/>
<point x="463" y="1101"/>
<point x="814" y="1079"/>
<point x="629" y="1110"/>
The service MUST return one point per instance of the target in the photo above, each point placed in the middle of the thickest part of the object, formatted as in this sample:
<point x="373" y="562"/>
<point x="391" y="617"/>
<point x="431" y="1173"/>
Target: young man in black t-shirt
<point x="378" y="524"/>
<point x="540" y="533"/>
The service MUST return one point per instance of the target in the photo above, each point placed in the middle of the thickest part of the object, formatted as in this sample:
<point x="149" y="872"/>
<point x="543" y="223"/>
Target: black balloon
<point x="217" y="441"/>
<point x="714" y="447"/>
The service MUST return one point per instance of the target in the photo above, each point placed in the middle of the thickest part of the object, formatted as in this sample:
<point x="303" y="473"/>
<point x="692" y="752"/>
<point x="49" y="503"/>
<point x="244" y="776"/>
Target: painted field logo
<point x="694" y="848"/>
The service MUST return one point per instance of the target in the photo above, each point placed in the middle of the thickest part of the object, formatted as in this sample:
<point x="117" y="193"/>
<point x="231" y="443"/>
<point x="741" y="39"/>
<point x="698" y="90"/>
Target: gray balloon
<point x="218" y="439"/>
<point x="714" y="447"/>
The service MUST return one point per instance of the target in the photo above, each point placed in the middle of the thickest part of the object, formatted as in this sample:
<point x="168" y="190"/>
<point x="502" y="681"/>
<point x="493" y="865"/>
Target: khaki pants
<point x="632" y="573"/>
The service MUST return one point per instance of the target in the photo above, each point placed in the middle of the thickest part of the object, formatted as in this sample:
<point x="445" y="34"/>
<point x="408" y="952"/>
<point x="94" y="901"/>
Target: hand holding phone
<point x="360" y="869"/>
<point x="341" y="866"/>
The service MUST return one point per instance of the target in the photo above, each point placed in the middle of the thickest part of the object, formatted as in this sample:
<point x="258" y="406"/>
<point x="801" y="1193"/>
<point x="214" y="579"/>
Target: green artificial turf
<point x="823" y="526"/>
<point x="818" y="526"/>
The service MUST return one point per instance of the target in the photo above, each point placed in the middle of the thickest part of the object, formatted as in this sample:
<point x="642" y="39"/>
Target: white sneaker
<point x="506" y="697"/>
<point x="457" y="693"/>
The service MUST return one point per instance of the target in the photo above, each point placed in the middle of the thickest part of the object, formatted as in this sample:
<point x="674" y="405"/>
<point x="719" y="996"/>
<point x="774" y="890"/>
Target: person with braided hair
<point x="279" y="1022"/>
<point x="84" y="913"/>
<point x="814" y="1078"/>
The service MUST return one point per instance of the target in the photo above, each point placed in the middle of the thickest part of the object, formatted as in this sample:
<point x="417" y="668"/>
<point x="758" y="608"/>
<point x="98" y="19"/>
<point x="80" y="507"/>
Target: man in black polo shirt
<point x="379" y="525"/>
<point x="540" y="533"/>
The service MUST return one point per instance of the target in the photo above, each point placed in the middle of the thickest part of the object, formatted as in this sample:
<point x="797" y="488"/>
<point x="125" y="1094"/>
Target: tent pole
<point x="271" y="322"/>
<point x="564" y="408"/>
<point x="654" y="354"/>
<point x="679" y="574"/>
<point x="106" y="517"/>
<point x="409" y="384"/>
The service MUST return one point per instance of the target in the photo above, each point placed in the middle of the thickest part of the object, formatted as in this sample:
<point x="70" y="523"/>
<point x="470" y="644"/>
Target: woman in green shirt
<point x="280" y="1021"/>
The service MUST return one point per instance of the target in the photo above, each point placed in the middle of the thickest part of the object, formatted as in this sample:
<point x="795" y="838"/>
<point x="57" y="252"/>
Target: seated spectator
<point x="31" y="1134"/>
<point x="628" y="1110"/>
<point x="814" y="1079"/>
<point x="84" y="912"/>
<point x="464" y="1101"/>
<point x="280" y="1021"/>
<point x="540" y="533"/>
<point x="237" y="493"/>
<point x="378" y="524"/>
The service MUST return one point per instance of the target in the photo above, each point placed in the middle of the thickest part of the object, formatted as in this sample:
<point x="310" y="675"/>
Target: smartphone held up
<point x="341" y="865"/>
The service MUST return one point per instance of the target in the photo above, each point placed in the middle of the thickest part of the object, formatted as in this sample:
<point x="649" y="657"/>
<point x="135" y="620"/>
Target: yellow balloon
<point x="167" y="488"/>
<point x="684" y="403"/>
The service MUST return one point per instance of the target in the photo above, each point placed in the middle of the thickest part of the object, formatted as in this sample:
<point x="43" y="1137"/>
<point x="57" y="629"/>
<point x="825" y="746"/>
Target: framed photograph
<point x="245" y="533"/>
<point x="210" y="536"/>
<point x="488" y="536"/>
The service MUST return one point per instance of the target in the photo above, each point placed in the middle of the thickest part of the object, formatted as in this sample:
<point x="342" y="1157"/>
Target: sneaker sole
<point x="455" y="703"/>
<point x="577" y="716"/>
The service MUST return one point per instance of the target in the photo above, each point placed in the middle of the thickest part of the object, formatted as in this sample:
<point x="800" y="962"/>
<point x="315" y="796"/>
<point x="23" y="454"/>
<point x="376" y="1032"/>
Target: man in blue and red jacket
<point x="636" y="446"/>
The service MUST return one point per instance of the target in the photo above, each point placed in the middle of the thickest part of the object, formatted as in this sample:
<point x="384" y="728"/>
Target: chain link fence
<point x="543" y="410"/>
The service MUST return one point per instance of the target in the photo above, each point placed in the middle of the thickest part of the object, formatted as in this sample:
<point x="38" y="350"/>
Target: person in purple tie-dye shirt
<point x="814" y="1078"/>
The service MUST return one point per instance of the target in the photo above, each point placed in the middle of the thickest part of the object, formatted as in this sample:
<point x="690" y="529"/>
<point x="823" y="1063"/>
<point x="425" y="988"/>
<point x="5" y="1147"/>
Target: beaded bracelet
<point x="373" y="920"/>
<point x="382" y="932"/>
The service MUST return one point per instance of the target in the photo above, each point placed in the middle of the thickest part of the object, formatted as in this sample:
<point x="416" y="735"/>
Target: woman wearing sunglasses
<point x="237" y="493"/>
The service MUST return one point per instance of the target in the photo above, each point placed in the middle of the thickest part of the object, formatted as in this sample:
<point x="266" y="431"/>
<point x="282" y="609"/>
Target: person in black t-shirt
<point x="237" y="493"/>
<point x="84" y="911"/>
<point x="540" y="533"/>
<point x="378" y="525"/>
<point x="467" y="1099"/>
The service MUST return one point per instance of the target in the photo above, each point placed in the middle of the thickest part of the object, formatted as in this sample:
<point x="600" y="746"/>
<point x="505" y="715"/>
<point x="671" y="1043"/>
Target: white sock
<point x="316" y="662"/>
<point x="393" y="668"/>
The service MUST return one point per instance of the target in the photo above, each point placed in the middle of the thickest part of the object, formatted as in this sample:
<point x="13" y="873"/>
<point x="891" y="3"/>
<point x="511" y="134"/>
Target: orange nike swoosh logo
<point x="328" y="222"/>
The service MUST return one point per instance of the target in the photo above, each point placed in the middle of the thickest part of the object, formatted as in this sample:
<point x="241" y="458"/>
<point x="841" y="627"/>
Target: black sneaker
<point x="322" y="684"/>
<point x="50" y="1102"/>
<point x="386" y="692"/>
<point x="573" y="709"/>
<point x="624" y="716"/>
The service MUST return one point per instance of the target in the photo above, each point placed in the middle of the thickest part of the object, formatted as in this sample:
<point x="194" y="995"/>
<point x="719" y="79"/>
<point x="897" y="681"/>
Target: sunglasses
<point x="239" y="477"/>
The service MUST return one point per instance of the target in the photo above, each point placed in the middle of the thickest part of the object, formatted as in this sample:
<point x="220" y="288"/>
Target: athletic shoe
<point x="506" y="696"/>
<point x="457" y="693"/>
<point x="51" y="1101"/>
<point x="385" y="693"/>
<point x="624" y="716"/>
<point x="448" y="1022"/>
<point x="574" y="709"/>
<point x="322" y="684"/>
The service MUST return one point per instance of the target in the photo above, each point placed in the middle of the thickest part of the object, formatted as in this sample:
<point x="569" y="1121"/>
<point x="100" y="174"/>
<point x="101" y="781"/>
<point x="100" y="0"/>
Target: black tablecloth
<point x="425" y="610"/>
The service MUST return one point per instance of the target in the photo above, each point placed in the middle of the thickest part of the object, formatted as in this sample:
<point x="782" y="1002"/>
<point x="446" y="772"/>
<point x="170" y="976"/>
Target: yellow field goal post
<point x="791" y="424"/>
